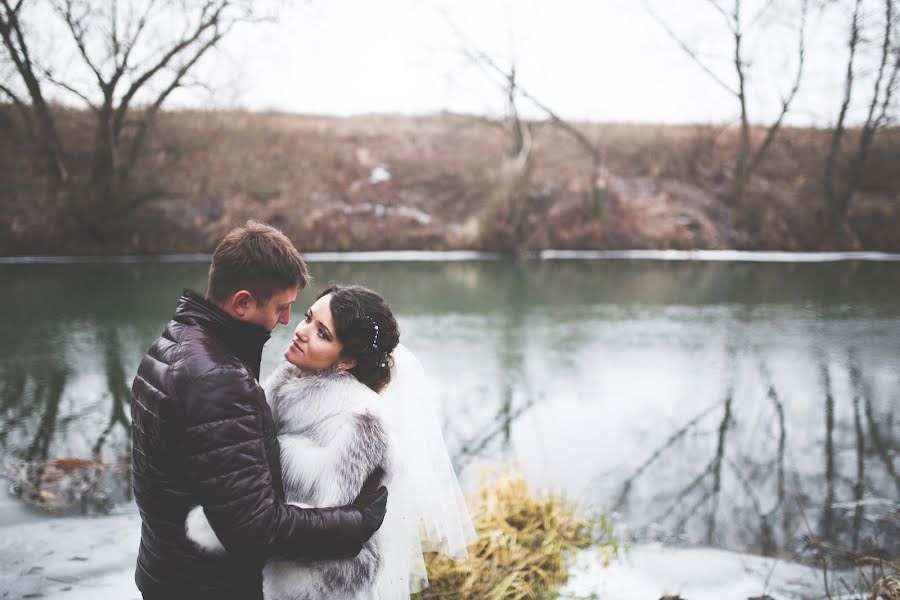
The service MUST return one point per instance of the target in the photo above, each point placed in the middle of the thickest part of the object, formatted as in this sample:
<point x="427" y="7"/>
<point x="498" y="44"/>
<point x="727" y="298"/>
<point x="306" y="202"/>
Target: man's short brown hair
<point x="258" y="258"/>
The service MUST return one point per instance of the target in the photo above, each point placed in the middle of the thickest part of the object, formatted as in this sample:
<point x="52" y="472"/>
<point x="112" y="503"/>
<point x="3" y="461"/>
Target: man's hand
<point x="372" y="502"/>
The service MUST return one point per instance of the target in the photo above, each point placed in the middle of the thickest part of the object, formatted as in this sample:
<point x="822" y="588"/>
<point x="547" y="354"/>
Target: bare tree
<point x="136" y="54"/>
<point x="750" y="155"/>
<point x="878" y="116"/>
<point x="509" y="204"/>
<point x="597" y="179"/>
<point x="517" y="167"/>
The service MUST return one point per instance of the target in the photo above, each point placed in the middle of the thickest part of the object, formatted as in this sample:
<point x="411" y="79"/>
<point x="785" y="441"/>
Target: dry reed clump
<point x="523" y="541"/>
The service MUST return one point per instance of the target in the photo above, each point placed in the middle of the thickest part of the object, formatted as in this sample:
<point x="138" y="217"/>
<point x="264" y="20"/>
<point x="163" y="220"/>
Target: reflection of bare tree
<point x="48" y="394"/>
<point x="675" y="437"/>
<point x="512" y="366"/>
<point x="12" y="388"/>
<point x="859" y="485"/>
<point x="48" y="390"/>
<point x="717" y="461"/>
<point x="873" y="526"/>
<point x="500" y="427"/>
<point x="773" y="395"/>
<point x="30" y="400"/>
<point x="827" y="524"/>
<point x="767" y="542"/>
<point x="119" y="393"/>
<point x="882" y="446"/>
<point x="12" y="384"/>
<point x="678" y="502"/>
<point x="849" y="511"/>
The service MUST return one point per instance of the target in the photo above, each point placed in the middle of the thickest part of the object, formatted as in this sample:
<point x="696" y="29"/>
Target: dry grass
<point x="204" y="172"/>
<point x="524" y="540"/>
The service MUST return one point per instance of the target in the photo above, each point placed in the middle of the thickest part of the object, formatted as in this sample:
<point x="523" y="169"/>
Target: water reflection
<point x="766" y="485"/>
<point x="45" y="426"/>
<point x="119" y="394"/>
<point x="739" y="405"/>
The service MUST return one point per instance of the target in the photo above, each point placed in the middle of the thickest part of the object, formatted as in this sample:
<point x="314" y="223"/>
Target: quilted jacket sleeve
<point x="226" y="463"/>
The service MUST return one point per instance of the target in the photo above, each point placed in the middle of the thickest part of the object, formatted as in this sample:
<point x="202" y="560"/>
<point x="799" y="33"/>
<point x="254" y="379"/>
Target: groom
<point x="203" y="434"/>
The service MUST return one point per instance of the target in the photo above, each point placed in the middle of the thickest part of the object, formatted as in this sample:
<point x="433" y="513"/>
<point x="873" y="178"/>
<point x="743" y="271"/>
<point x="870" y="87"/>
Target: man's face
<point x="276" y="310"/>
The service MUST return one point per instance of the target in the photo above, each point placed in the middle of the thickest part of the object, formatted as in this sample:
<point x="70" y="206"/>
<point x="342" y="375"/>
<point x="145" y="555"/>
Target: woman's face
<point x="314" y="345"/>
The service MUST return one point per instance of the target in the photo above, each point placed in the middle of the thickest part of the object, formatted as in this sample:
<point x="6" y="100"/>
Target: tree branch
<point x="688" y="50"/>
<point x="69" y="88"/>
<point x="151" y="111"/>
<point x="483" y="57"/>
<point x="77" y="30"/>
<point x="885" y="52"/>
<point x="8" y="27"/>
<point x="122" y="61"/>
<point x="759" y="15"/>
<point x="741" y="173"/>
<point x="883" y="119"/>
<point x="872" y="123"/>
<point x="202" y="27"/>
<point x="837" y="135"/>
<point x="114" y="29"/>
<point x="45" y="130"/>
<point x="728" y="17"/>
<point x="785" y="102"/>
<point x="20" y="106"/>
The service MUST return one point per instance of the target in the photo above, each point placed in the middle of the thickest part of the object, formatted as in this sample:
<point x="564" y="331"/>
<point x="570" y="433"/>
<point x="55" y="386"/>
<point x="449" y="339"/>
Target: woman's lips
<point x="296" y="347"/>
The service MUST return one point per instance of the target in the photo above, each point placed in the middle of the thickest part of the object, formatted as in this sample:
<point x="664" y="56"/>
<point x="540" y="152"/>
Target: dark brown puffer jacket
<point x="202" y="433"/>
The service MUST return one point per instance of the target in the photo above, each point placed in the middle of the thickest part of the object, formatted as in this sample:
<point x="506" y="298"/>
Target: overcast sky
<point x="588" y="59"/>
<point x="606" y="60"/>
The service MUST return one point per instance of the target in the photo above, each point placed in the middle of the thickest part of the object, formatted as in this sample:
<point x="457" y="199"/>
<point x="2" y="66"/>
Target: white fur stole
<point x="332" y="436"/>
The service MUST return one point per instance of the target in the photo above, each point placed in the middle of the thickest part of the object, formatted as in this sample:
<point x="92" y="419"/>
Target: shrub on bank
<point x="523" y="543"/>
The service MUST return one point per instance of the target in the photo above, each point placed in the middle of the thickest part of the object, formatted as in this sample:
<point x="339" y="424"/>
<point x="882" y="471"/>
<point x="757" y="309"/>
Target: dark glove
<point x="372" y="503"/>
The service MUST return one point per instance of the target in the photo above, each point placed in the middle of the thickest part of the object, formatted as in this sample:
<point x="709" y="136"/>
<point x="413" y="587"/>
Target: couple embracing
<point x="328" y="482"/>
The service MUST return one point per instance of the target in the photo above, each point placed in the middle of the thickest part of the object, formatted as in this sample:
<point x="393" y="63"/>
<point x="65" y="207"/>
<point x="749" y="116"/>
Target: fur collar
<point x="300" y="400"/>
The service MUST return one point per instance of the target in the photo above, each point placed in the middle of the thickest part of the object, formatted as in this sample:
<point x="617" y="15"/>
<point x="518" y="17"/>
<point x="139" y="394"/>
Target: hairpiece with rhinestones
<point x="375" y="325"/>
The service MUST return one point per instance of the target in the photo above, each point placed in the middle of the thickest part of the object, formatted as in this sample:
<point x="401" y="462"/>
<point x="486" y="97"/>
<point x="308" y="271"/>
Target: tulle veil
<point x="426" y="509"/>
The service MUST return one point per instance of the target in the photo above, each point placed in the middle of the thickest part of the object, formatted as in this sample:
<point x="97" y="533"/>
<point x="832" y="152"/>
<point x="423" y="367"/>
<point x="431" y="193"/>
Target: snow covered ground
<point x="71" y="558"/>
<point x="93" y="558"/>
<point x="651" y="570"/>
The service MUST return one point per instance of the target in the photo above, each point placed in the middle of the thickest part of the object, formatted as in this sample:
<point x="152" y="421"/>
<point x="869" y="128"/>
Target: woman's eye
<point x="308" y="316"/>
<point x="322" y="335"/>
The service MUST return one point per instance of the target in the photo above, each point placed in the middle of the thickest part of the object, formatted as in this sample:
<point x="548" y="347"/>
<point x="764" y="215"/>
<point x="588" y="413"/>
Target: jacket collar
<point x="244" y="339"/>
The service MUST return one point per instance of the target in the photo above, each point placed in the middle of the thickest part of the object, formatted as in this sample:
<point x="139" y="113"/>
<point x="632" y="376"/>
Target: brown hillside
<point x="317" y="178"/>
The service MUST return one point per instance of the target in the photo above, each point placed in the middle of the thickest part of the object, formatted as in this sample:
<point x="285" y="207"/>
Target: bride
<point x="348" y="401"/>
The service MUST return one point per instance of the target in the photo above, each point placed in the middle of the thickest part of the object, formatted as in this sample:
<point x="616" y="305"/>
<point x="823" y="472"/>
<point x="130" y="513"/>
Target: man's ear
<point x="346" y="364"/>
<point x="241" y="303"/>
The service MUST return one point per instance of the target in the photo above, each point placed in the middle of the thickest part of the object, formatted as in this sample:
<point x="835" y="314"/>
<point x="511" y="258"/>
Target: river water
<point x="740" y="405"/>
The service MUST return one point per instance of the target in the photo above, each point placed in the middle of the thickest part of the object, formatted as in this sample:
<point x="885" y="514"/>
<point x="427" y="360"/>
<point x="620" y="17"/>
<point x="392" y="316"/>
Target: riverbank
<point x="93" y="559"/>
<point x="390" y="256"/>
<point x="441" y="182"/>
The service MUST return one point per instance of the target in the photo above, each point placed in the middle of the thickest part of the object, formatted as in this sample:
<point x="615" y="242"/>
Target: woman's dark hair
<point x="365" y="326"/>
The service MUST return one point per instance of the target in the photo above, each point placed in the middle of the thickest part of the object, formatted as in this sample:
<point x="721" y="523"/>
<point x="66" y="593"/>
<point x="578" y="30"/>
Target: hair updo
<point x="367" y="330"/>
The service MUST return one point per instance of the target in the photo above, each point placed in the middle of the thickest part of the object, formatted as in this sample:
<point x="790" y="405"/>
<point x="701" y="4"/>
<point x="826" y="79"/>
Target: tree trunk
<point x="102" y="207"/>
